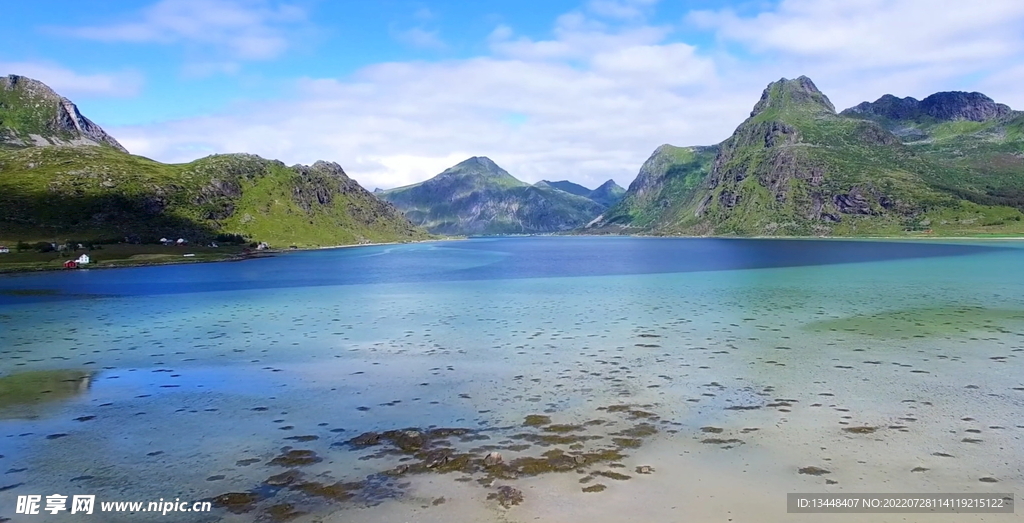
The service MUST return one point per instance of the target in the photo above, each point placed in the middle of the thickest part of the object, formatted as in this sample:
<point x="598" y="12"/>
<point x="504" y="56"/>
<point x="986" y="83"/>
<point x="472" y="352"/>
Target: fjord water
<point x="732" y="367"/>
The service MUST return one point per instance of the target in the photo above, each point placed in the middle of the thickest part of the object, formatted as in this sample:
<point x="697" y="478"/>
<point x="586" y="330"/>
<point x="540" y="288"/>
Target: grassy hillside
<point x="100" y="193"/>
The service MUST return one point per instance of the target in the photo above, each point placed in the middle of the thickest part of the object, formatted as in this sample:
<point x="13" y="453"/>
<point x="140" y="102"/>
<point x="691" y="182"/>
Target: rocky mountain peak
<point x="31" y="114"/>
<point x="797" y="93"/>
<point x="942" y="106"/>
<point x="888" y="106"/>
<point x="959" y="105"/>
<point x="478" y="162"/>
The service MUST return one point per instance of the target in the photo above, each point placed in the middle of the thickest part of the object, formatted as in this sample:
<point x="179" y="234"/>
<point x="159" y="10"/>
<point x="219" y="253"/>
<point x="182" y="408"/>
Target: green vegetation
<point x="118" y="255"/>
<point x="81" y="187"/>
<point x="98" y="193"/>
<point x="795" y="167"/>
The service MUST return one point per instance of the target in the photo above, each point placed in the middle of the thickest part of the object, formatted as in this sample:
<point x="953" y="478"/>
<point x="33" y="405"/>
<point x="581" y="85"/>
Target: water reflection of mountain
<point x="23" y="394"/>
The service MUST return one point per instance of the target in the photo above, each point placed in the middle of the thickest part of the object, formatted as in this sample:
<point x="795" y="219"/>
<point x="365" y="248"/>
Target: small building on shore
<point x="71" y="264"/>
<point x="4" y="249"/>
<point x="83" y="260"/>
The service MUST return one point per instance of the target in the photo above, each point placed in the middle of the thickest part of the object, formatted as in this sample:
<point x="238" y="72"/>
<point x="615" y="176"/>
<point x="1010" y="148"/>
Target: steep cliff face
<point x="477" y="197"/>
<point x="789" y="168"/>
<point x="795" y="167"/>
<point x="33" y="114"/>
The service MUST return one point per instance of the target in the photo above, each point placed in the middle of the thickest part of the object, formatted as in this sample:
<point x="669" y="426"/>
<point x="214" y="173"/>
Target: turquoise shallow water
<point x="186" y="381"/>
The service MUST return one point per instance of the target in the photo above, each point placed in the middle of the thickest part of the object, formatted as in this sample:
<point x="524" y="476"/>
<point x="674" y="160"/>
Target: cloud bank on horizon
<point x="398" y="91"/>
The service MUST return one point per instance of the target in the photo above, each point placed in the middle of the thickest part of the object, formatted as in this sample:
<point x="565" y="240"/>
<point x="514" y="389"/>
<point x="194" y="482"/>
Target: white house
<point x="4" y="250"/>
<point x="181" y="241"/>
<point x="83" y="259"/>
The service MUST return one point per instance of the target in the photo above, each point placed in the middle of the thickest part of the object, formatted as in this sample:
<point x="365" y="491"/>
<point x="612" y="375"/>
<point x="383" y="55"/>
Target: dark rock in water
<point x="814" y="471"/>
<point x="284" y="478"/>
<point x="295" y="458"/>
<point x="366" y="439"/>
<point x="447" y="432"/>
<point x="860" y="430"/>
<point x="437" y="458"/>
<point x="644" y="469"/>
<point x="507" y="496"/>
<point x="536" y="420"/>
<point x="406" y="440"/>
<point x="236" y="502"/>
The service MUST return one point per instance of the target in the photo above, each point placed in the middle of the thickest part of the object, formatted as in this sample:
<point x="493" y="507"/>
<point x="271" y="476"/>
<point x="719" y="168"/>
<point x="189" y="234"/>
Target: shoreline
<point x="268" y="253"/>
<point x="4" y="271"/>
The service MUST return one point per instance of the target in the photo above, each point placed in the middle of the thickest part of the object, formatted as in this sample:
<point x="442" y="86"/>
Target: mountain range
<point x="477" y="197"/>
<point x="952" y="163"/>
<point x="62" y="176"/>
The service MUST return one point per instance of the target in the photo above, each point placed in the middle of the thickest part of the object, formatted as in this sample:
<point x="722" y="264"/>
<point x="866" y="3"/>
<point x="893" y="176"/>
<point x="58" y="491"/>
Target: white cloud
<point x="240" y="29"/>
<point x="596" y="98"/>
<point x="878" y="33"/>
<point x="74" y="84"/>
<point x="621" y="9"/>
<point x="858" y="50"/>
<point x="419" y="38"/>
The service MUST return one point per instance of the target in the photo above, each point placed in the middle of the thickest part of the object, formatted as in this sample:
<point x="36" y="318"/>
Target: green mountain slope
<point x="980" y="140"/>
<point x="795" y="167"/>
<point x="99" y="192"/>
<point x="478" y="197"/>
<point x="666" y="183"/>
<point x="33" y="114"/>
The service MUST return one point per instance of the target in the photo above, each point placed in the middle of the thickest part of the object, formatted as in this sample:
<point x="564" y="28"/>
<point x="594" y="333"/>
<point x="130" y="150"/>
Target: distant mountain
<point x="570" y="187"/>
<point x="608" y="194"/>
<point x="33" y="114"/>
<point x="62" y="176"/>
<point x="952" y="163"/>
<point x="478" y="197"/>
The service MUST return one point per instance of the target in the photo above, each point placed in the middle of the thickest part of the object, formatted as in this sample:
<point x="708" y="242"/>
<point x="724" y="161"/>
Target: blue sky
<point x="398" y="90"/>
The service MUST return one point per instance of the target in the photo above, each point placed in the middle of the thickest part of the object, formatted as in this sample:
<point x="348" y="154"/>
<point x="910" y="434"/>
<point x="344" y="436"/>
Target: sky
<point x="398" y="90"/>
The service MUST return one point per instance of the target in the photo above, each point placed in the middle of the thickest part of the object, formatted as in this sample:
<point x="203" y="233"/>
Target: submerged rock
<point x="296" y="458"/>
<point x="507" y="496"/>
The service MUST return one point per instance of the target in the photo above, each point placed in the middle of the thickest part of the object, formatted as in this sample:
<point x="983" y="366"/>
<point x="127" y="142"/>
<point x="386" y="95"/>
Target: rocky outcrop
<point x="786" y="93"/>
<point x="942" y="106"/>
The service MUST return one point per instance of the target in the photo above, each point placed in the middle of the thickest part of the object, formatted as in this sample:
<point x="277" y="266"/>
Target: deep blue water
<point x="475" y="259"/>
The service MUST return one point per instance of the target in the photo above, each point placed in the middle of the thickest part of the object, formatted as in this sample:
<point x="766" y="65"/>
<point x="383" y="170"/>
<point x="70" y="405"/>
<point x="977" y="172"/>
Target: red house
<point x="70" y="264"/>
